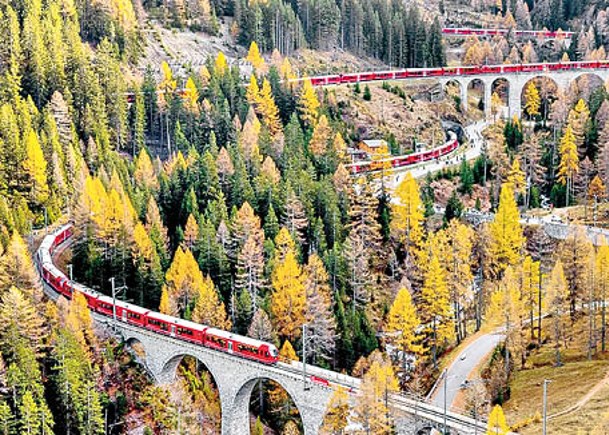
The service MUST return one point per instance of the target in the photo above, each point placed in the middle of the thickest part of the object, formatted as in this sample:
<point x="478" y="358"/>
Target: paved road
<point x="464" y="364"/>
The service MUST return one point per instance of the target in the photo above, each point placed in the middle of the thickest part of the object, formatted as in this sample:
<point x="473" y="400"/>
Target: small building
<point x="374" y="148"/>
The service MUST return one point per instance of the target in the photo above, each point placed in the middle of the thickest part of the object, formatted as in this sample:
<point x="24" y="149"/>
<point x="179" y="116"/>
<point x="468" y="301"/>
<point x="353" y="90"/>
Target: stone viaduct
<point x="516" y="83"/>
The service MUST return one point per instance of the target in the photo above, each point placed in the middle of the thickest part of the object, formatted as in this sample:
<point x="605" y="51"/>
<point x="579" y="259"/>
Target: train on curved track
<point x="405" y="160"/>
<point x="191" y="332"/>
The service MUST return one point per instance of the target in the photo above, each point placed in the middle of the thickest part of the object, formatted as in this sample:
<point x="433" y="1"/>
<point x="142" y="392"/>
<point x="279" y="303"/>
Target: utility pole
<point x="545" y="405"/>
<point x="445" y="376"/>
<point x="304" y="355"/>
<point x="46" y="222"/>
<point x="114" y="291"/>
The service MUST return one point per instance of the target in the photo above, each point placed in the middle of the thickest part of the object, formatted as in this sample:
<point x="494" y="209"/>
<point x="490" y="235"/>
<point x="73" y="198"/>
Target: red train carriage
<point x="174" y="327"/>
<point x="243" y="346"/>
<point x="125" y="312"/>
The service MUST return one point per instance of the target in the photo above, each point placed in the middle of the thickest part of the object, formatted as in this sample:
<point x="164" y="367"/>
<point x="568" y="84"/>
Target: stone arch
<point x="475" y="91"/>
<point x="584" y="83"/>
<point x="170" y="366"/>
<point x="502" y="87"/>
<point x="547" y="87"/>
<point x="455" y="90"/>
<point x="241" y="405"/>
<point x="136" y="347"/>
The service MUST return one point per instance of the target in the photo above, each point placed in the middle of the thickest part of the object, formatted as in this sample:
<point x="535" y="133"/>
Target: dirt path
<point x="581" y="402"/>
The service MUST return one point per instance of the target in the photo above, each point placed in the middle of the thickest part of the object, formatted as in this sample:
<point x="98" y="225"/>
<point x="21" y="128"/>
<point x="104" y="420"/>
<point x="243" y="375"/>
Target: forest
<point x="226" y="200"/>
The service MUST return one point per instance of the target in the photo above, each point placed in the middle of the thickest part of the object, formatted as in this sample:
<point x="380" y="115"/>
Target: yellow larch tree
<point x="516" y="177"/>
<point x="340" y="146"/>
<point x="596" y="189"/>
<point x="459" y="241"/>
<point x="289" y="296"/>
<point x="191" y="96"/>
<point x="18" y="268"/>
<point x="507" y="239"/>
<point x="530" y="290"/>
<point x="284" y="243"/>
<point x="208" y="309"/>
<point x="602" y="286"/>
<point x="287" y="352"/>
<point x="308" y="104"/>
<point x="497" y="424"/>
<point x="35" y="167"/>
<point x="337" y="413"/>
<point x="79" y="321"/>
<point x="321" y="134"/>
<point x="285" y="70"/>
<point x="191" y="232"/>
<point x="407" y="222"/>
<point x="435" y="304"/>
<point x="402" y="324"/>
<point x="269" y="169"/>
<point x="144" y="171"/>
<point x="557" y="296"/>
<point x="577" y="120"/>
<point x="268" y="109"/>
<point x="220" y="64"/>
<point x="255" y="58"/>
<point x="569" y="161"/>
<point x="371" y="411"/>
<point x="532" y="100"/>
<point x="496" y="104"/>
<point x="506" y="309"/>
<point x="252" y="93"/>
<point x="168" y="83"/>
<point x="182" y="281"/>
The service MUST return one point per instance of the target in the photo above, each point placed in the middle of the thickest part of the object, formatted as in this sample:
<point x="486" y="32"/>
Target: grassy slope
<point x="570" y="383"/>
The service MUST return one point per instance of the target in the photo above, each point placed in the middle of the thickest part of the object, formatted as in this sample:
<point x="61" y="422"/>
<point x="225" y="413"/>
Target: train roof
<point x="170" y="319"/>
<point x="123" y="304"/>
<point x="240" y="338"/>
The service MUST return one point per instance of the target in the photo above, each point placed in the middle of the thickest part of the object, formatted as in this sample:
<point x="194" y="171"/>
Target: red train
<point x="468" y="31"/>
<point x="455" y="72"/>
<point x="214" y="338"/>
<point x="406" y="160"/>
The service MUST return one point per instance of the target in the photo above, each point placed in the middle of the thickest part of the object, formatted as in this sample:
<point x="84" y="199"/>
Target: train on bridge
<point x="203" y="335"/>
<point x="456" y="71"/>
<point x="542" y="34"/>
